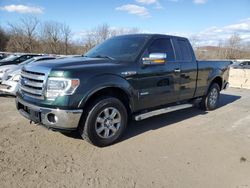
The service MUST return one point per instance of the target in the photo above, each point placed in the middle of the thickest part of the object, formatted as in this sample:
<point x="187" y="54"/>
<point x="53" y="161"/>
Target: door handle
<point x="177" y="70"/>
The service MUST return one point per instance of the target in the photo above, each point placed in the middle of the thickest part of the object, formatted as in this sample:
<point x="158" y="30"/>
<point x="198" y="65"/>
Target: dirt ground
<point x="184" y="149"/>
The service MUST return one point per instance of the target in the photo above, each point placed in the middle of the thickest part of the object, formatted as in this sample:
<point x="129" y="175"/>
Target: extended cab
<point x="131" y="76"/>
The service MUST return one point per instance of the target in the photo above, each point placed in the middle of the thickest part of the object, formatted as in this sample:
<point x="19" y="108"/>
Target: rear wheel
<point x="105" y="121"/>
<point x="210" y="101"/>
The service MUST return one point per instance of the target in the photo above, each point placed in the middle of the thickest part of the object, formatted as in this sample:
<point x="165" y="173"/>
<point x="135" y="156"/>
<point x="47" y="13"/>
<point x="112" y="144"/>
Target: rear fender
<point x="217" y="73"/>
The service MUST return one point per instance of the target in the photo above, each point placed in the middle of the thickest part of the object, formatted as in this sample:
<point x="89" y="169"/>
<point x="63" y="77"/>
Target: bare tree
<point x="56" y="38"/>
<point x="66" y="36"/>
<point x="233" y="47"/>
<point x="221" y="52"/>
<point x="4" y="37"/>
<point x="103" y="32"/>
<point x="28" y="35"/>
<point x="29" y="27"/>
<point x="97" y="35"/>
<point x="23" y="35"/>
<point x="51" y="37"/>
<point x="194" y="40"/>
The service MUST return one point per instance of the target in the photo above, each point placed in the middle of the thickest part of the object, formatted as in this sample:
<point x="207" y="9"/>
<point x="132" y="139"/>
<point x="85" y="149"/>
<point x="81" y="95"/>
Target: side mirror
<point x="155" y="59"/>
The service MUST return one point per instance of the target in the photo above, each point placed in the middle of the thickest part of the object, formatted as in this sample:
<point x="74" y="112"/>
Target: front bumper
<point x="9" y="87"/>
<point x="55" y="119"/>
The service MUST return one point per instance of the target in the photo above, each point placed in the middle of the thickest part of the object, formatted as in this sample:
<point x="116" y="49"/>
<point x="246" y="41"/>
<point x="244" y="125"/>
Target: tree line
<point x="232" y="48"/>
<point x="30" y="35"/>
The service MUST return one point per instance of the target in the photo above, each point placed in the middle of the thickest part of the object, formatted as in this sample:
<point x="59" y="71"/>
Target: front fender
<point x="96" y="83"/>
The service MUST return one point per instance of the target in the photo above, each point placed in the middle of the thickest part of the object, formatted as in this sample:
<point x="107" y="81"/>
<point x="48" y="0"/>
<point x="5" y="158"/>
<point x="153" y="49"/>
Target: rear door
<point x="188" y="66"/>
<point x="159" y="84"/>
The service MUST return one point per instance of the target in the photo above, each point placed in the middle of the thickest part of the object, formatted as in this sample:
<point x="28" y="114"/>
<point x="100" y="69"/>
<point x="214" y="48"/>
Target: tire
<point x="105" y="121"/>
<point x="210" y="101"/>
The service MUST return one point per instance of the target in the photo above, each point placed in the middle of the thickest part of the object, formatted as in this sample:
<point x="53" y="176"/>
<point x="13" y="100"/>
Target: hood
<point x="75" y="63"/>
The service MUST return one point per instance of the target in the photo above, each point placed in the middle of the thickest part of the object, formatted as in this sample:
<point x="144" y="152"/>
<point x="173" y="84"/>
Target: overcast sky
<point x="210" y="20"/>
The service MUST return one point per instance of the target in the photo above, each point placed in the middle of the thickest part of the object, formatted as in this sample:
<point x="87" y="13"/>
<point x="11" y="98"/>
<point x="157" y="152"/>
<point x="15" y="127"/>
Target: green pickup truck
<point x="126" y="77"/>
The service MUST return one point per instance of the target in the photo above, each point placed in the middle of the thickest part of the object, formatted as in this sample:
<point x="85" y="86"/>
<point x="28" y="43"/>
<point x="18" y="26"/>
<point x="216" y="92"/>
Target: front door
<point x="159" y="84"/>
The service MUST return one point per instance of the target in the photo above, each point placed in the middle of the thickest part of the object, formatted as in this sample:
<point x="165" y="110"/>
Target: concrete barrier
<point x="239" y="78"/>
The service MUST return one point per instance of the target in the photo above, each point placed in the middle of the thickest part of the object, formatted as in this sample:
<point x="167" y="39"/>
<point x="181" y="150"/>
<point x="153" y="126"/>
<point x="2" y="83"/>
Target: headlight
<point x="60" y="87"/>
<point x="16" y="77"/>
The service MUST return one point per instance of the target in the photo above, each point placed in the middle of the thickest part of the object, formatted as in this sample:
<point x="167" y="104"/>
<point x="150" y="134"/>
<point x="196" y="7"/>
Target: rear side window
<point x="163" y="45"/>
<point x="186" y="53"/>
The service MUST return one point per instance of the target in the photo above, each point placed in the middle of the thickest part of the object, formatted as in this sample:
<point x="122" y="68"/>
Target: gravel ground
<point x="188" y="148"/>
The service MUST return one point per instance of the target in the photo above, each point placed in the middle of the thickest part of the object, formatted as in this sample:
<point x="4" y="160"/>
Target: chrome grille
<point x="32" y="82"/>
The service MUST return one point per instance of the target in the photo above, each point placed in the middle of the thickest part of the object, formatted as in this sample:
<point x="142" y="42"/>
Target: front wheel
<point x="210" y="101"/>
<point x="105" y="121"/>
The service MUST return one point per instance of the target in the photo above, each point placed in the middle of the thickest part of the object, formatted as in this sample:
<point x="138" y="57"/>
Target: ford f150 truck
<point x="131" y="76"/>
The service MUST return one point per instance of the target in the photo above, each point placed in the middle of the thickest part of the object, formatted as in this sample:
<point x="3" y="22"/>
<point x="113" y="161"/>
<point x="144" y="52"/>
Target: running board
<point x="162" y="111"/>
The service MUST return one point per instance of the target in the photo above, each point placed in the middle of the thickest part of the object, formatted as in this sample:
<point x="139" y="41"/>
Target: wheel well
<point x="217" y="80"/>
<point x="114" y="92"/>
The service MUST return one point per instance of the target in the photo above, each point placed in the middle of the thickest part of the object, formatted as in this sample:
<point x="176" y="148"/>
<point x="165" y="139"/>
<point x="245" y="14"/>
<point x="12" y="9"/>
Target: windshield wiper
<point x="104" y="56"/>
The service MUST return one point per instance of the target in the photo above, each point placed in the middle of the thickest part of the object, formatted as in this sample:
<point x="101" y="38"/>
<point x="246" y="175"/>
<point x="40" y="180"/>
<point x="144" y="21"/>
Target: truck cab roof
<point x="151" y="35"/>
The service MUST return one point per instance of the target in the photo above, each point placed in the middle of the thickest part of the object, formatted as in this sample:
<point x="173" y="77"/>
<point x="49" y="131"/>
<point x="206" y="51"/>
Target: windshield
<point x="27" y="61"/>
<point x="10" y="58"/>
<point x="125" y="48"/>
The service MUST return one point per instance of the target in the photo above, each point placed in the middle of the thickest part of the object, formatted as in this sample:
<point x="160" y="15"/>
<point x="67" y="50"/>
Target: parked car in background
<point x="4" y="55"/>
<point x="13" y="61"/>
<point x="241" y="64"/>
<point x="10" y="78"/>
<point x="16" y="59"/>
<point x="4" y="69"/>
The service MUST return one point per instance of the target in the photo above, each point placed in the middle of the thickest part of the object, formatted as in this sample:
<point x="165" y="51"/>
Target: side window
<point x="186" y="53"/>
<point x="163" y="45"/>
<point x="22" y="58"/>
<point x="17" y="60"/>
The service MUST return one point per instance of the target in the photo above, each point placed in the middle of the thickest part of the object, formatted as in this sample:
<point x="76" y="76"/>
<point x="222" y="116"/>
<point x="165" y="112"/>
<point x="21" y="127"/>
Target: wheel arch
<point x="114" y="91"/>
<point x="218" y="80"/>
